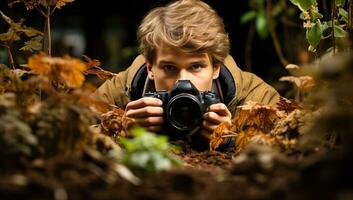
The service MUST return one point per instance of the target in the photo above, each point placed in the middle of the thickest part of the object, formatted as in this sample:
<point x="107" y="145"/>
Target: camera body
<point x="183" y="106"/>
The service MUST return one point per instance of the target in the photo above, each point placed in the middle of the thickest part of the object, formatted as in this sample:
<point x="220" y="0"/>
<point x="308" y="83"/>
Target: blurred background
<point x="106" y="30"/>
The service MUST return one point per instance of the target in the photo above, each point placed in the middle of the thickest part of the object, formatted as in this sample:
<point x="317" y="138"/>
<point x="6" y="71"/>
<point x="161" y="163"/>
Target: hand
<point x="146" y="112"/>
<point x="216" y="114"/>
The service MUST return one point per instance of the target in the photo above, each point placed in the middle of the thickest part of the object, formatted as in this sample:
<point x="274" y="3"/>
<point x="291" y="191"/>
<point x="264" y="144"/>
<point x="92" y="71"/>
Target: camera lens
<point x="184" y="112"/>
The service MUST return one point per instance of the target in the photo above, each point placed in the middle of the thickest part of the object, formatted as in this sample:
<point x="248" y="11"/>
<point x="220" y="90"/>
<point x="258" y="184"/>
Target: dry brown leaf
<point x="112" y="123"/>
<point x="302" y="82"/>
<point x="68" y="70"/>
<point x="264" y="139"/>
<point x="61" y="3"/>
<point x="95" y="69"/>
<point x="287" y="105"/>
<point x="216" y="138"/>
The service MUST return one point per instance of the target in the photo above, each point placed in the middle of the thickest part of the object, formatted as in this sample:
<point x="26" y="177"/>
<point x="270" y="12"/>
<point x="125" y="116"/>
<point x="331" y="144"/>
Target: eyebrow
<point x="173" y="63"/>
<point x="165" y="62"/>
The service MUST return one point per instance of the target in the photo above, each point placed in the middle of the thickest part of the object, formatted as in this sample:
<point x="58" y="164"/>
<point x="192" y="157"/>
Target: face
<point x="171" y="65"/>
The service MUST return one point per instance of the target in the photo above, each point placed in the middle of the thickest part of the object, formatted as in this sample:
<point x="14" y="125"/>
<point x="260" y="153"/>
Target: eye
<point x="169" y="68"/>
<point x="196" y="68"/>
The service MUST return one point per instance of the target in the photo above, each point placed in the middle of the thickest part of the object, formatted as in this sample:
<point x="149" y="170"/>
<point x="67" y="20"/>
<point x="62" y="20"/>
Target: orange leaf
<point x="94" y="69"/>
<point x="38" y="65"/>
<point x="216" y="136"/>
<point x="112" y="122"/>
<point x="287" y="105"/>
<point x="91" y="62"/>
<point x="68" y="70"/>
<point x="61" y="3"/>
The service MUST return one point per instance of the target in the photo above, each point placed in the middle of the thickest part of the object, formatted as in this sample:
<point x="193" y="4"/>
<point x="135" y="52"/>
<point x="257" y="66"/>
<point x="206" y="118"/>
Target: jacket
<point x="241" y="86"/>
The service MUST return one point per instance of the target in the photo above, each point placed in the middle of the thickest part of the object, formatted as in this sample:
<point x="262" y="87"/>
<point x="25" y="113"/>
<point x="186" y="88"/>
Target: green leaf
<point x="316" y="15"/>
<point x="339" y="32"/>
<point x="10" y="35"/>
<point x="344" y="14"/>
<point x="304" y="5"/>
<point x="34" y="44"/>
<point x="261" y="25"/>
<point x="147" y="152"/>
<point x="295" y="2"/>
<point x="313" y="35"/>
<point x="248" y="16"/>
<point x="340" y="3"/>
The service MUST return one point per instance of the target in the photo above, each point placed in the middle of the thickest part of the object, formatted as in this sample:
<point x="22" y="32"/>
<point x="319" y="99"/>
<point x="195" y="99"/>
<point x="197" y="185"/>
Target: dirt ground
<point x="256" y="173"/>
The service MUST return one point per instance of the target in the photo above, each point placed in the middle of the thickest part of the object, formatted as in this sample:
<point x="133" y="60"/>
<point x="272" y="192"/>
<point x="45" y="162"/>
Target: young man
<point x="184" y="40"/>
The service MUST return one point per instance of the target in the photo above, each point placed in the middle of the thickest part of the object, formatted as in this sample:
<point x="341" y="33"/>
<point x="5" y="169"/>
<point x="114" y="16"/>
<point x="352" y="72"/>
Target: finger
<point x="144" y="112"/>
<point x="213" y="117"/>
<point x="219" y="108"/>
<point x="210" y="127"/>
<point x="149" y="121"/>
<point x="143" y="102"/>
<point x="154" y="129"/>
<point x="205" y="134"/>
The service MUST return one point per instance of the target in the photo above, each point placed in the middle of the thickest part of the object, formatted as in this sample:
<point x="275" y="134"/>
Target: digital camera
<point x="183" y="106"/>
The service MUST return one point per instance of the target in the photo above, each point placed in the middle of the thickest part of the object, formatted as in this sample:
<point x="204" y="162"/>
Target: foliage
<point x="31" y="127"/>
<point x="147" y="152"/>
<point x="46" y="8"/>
<point x="262" y="124"/>
<point x="317" y="30"/>
<point x="62" y="72"/>
<point x="16" y="32"/>
<point x="95" y="69"/>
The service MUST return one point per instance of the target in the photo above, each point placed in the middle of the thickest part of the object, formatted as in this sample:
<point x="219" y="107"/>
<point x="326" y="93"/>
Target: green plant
<point x="14" y="33"/>
<point x="147" y="152"/>
<point x="317" y="29"/>
<point x="46" y="8"/>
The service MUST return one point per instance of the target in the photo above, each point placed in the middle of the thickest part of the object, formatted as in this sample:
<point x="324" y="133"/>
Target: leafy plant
<point x="46" y="8"/>
<point x="14" y="33"/>
<point x="262" y="124"/>
<point x="318" y="30"/>
<point x="264" y="16"/>
<point x="147" y="152"/>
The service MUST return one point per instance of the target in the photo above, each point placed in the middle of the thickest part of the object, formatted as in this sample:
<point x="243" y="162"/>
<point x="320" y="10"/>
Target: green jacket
<point x="247" y="86"/>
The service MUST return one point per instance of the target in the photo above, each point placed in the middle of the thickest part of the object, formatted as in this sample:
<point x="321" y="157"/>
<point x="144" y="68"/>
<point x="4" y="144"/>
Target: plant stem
<point x="350" y="26"/>
<point x="333" y="8"/>
<point x="48" y="31"/>
<point x="11" y="60"/>
<point x="274" y="36"/>
<point x="248" y="45"/>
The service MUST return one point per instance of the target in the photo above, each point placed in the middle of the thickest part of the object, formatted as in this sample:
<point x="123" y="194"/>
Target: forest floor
<point x="258" y="172"/>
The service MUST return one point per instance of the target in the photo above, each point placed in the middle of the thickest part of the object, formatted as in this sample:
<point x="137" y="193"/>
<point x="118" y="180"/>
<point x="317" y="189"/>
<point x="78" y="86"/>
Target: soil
<point x="257" y="173"/>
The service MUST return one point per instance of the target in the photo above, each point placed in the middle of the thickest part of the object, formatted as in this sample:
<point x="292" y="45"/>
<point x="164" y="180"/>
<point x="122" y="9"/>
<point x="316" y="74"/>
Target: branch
<point x="11" y="60"/>
<point x="333" y="8"/>
<point x="274" y="36"/>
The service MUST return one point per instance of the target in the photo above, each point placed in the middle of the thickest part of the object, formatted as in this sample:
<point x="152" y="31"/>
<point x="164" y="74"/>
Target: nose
<point x="183" y="75"/>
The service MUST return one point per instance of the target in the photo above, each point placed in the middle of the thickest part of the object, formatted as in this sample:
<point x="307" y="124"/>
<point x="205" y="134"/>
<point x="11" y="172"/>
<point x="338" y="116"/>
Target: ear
<point x="216" y="70"/>
<point x="149" y="71"/>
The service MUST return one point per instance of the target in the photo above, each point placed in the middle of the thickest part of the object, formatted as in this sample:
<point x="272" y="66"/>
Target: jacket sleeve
<point x="255" y="89"/>
<point x="249" y="87"/>
<point x="116" y="90"/>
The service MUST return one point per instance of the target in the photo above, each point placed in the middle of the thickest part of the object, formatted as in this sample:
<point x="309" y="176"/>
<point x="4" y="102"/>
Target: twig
<point x="40" y="10"/>
<point x="11" y="60"/>
<point x="333" y="26"/>
<point x="350" y="26"/>
<point x="274" y="36"/>
<point x="48" y="31"/>
<point x="248" y="45"/>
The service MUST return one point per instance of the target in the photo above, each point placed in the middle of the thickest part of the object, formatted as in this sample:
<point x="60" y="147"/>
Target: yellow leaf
<point x="216" y="136"/>
<point x="71" y="71"/>
<point x="61" y="3"/>
<point x="37" y="64"/>
<point x="57" y="69"/>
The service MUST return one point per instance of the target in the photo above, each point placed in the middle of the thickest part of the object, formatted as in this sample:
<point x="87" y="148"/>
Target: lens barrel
<point x="184" y="111"/>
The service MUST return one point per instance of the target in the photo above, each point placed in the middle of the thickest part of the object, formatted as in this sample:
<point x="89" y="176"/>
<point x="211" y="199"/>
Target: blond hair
<point x="191" y="26"/>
